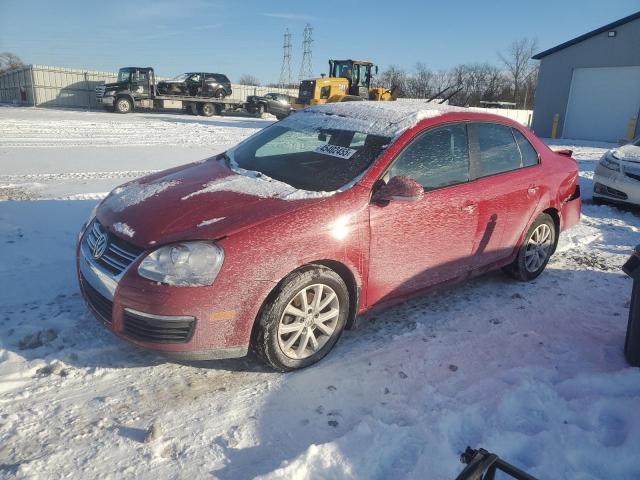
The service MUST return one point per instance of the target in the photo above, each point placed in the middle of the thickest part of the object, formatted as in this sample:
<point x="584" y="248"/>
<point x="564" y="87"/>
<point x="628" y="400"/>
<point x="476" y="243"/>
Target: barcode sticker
<point x="336" y="151"/>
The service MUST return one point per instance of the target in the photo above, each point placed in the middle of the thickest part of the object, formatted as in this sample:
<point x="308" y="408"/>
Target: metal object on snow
<point x="632" y="340"/>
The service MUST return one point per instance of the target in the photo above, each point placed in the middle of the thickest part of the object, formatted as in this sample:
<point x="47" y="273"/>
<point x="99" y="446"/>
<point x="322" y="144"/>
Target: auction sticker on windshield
<point x="336" y="151"/>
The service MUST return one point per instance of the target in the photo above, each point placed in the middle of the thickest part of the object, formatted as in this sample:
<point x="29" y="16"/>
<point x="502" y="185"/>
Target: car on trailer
<point x="199" y="84"/>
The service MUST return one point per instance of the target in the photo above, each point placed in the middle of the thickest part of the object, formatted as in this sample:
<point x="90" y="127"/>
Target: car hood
<point x="205" y="200"/>
<point x="628" y="153"/>
<point x="115" y="85"/>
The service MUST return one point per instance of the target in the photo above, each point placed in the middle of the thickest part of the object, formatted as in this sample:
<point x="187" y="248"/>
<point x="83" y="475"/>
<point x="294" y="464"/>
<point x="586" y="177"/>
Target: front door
<point x="425" y="242"/>
<point x="140" y="84"/>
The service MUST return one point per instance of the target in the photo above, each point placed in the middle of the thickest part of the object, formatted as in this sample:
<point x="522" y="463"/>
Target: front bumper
<point x="107" y="100"/>
<point x="622" y="186"/>
<point x="179" y="322"/>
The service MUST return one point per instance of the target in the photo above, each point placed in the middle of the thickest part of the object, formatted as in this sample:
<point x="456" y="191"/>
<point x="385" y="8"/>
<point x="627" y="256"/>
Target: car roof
<point x="387" y="118"/>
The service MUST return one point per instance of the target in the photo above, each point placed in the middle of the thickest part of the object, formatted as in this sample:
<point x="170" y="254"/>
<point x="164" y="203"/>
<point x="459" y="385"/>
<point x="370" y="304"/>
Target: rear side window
<point x="529" y="154"/>
<point x="498" y="151"/>
<point x="436" y="158"/>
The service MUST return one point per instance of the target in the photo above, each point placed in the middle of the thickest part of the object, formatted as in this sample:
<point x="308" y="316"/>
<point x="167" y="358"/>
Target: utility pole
<point x="306" y="70"/>
<point x="285" y="71"/>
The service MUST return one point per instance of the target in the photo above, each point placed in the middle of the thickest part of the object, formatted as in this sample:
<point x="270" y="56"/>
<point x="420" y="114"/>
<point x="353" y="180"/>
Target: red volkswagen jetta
<point x="279" y="243"/>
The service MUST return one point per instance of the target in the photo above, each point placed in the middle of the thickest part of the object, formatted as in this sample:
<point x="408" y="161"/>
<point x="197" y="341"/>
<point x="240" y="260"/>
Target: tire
<point x="280" y="117"/>
<point x="220" y="93"/>
<point x="533" y="257"/>
<point x="286" y="349"/>
<point x="123" y="105"/>
<point x="207" y="109"/>
<point x="260" y="111"/>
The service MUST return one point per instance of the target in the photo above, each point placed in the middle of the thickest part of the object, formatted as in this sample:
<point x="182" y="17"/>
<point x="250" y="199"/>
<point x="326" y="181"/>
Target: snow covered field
<point x="534" y="372"/>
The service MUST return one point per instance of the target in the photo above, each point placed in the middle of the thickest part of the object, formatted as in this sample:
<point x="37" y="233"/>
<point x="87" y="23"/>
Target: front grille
<point x="118" y="256"/>
<point x="158" y="330"/>
<point x="306" y="90"/>
<point x="100" y="91"/>
<point x="102" y="306"/>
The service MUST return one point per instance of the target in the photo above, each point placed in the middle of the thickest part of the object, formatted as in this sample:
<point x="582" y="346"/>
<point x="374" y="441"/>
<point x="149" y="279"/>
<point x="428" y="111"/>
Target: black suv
<point x="197" y="84"/>
<point x="277" y="104"/>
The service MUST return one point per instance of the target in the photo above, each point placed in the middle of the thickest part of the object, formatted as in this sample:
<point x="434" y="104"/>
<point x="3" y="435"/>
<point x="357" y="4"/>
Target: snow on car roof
<point x="378" y="118"/>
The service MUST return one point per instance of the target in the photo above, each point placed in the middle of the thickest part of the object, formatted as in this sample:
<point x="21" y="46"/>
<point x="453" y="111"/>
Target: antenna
<point x="306" y="70"/>
<point x="285" y="71"/>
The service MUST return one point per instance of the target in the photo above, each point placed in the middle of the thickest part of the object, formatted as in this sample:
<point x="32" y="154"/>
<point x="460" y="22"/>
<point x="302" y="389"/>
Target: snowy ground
<point x="532" y="371"/>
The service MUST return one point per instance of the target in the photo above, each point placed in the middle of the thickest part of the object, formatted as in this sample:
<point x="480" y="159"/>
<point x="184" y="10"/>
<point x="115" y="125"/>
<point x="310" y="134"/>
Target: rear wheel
<point x="304" y="320"/>
<point x="123" y="105"/>
<point x="260" y="111"/>
<point x="220" y="93"/>
<point x="536" y="250"/>
<point x="207" y="109"/>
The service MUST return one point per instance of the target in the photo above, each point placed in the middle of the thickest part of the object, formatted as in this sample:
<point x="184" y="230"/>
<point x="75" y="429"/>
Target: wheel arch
<point x="345" y="273"/>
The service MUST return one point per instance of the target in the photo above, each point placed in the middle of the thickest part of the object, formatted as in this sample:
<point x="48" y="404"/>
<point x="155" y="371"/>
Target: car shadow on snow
<point x="405" y="361"/>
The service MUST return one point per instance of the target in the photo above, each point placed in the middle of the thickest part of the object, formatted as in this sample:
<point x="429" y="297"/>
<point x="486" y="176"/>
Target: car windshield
<point x="181" y="78"/>
<point x="123" y="75"/>
<point x="320" y="159"/>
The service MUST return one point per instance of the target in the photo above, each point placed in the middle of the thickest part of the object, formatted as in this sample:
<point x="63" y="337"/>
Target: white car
<point x="617" y="176"/>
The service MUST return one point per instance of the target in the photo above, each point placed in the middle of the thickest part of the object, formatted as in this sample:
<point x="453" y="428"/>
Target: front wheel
<point x="536" y="250"/>
<point x="123" y="105"/>
<point x="304" y="320"/>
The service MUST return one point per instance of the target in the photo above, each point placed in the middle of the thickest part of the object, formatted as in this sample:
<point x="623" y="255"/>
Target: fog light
<point x="601" y="189"/>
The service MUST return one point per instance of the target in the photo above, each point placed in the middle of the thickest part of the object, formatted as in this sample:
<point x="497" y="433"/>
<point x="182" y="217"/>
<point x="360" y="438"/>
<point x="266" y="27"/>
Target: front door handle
<point x="470" y="208"/>
<point x="533" y="190"/>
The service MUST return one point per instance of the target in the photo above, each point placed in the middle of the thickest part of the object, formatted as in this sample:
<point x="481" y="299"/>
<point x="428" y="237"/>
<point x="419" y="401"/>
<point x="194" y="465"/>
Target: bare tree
<point x="394" y="78"/>
<point x="248" y="79"/>
<point x="9" y="61"/>
<point x="518" y="62"/>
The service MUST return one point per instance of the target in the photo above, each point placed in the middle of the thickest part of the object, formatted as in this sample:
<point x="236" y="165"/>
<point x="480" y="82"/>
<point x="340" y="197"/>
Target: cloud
<point x="289" y="16"/>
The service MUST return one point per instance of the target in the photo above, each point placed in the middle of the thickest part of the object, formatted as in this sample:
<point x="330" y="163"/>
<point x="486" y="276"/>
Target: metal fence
<point x="47" y="86"/>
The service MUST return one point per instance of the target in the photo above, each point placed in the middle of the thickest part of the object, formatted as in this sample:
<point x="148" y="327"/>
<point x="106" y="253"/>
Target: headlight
<point x="109" y="93"/>
<point x="609" y="161"/>
<point x="188" y="264"/>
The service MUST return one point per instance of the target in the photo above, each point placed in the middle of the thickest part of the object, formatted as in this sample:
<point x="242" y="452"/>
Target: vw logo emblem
<point x="100" y="246"/>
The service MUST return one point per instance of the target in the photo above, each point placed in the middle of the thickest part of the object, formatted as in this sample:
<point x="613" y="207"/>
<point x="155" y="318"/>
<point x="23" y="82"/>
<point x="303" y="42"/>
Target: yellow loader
<point x="348" y="80"/>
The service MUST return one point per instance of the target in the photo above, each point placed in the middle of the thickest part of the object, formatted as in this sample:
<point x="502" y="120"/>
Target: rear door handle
<point x="470" y="208"/>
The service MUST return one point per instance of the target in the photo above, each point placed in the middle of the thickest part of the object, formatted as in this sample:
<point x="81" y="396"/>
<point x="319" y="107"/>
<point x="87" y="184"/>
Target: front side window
<point x="436" y="158"/>
<point x="325" y="92"/>
<point x="124" y="75"/>
<point x="498" y="151"/>
<point x="310" y="156"/>
<point x="529" y="154"/>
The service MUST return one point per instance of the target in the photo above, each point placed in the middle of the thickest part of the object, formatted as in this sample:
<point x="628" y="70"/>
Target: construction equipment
<point x="348" y="80"/>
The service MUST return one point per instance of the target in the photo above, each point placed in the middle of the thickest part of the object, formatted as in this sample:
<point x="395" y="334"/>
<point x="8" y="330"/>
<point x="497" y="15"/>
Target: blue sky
<point x="236" y="37"/>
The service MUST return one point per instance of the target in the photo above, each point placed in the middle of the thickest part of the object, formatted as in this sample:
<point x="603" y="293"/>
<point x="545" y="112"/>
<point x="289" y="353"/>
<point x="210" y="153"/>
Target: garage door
<point x="601" y="103"/>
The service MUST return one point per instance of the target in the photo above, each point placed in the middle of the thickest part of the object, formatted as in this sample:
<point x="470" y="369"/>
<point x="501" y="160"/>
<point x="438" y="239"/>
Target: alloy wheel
<point x="309" y="321"/>
<point x="538" y="248"/>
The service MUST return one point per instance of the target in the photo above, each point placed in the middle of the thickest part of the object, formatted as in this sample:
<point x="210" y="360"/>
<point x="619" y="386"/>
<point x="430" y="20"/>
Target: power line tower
<point x="306" y="70"/>
<point x="285" y="71"/>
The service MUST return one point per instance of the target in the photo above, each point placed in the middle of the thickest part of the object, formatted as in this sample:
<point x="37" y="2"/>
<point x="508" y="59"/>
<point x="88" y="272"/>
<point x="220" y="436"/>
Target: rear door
<point x="417" y="244"/>
<point x="508" y="189"/>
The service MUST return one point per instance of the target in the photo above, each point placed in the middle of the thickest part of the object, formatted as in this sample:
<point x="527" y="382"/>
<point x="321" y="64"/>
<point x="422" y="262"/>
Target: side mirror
<point x="399" y="189"/>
